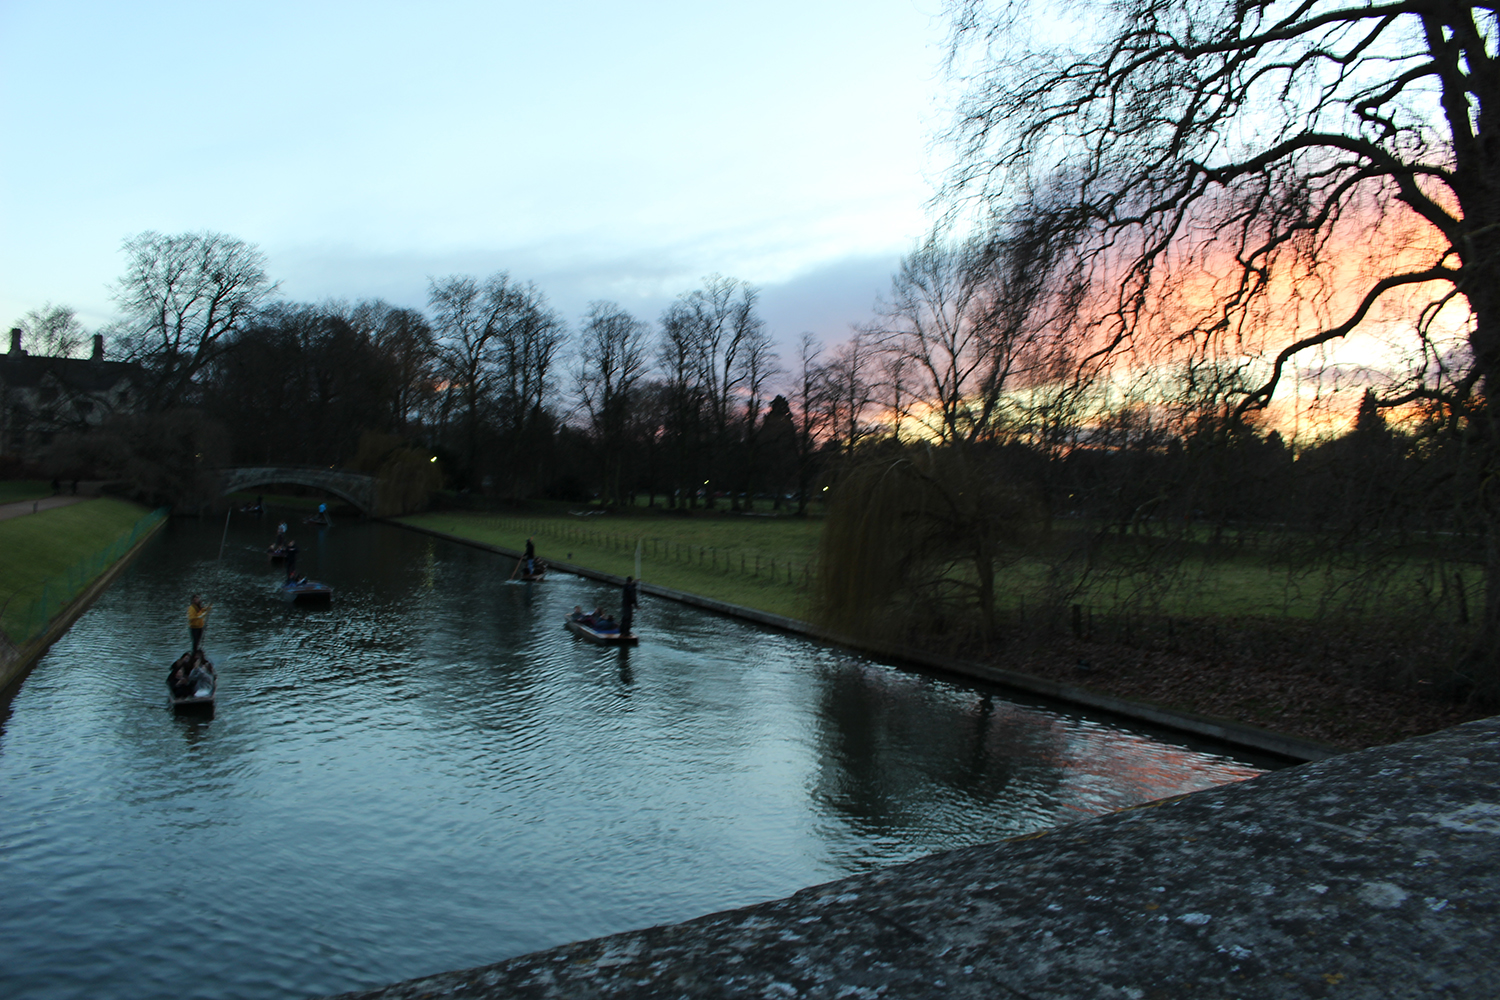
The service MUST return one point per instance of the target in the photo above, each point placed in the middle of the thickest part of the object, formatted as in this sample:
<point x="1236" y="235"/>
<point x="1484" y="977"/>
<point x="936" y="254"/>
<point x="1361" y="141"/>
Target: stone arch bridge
<point x="351" y="487"/>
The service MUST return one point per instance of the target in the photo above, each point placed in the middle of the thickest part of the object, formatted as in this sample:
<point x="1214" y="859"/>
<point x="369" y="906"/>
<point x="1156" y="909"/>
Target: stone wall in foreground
<point x="1373" y="874"/>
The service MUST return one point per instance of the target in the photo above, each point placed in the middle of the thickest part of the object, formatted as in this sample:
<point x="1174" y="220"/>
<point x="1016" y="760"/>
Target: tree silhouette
<point x="1256" y="180"/>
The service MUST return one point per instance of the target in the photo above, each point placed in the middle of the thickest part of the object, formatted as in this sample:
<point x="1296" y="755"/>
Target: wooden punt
<point x="306" y="592"/>
<point x="539" y="571"/>
<point x="602" y="638"/>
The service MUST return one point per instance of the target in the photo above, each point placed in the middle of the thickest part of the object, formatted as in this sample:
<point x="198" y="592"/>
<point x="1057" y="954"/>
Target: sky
<point x="602" y="150"/>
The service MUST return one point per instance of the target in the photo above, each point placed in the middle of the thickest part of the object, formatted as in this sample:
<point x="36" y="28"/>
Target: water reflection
<point x="907" y="758"/>
<point x="432" y="773"/>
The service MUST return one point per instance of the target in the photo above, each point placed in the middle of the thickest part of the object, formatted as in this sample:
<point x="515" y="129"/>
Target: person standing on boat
<point x="291" y="559"/>
<point x="530" y="557"/>
<point x="628" y="602"/>
<point x="197" y="619"/>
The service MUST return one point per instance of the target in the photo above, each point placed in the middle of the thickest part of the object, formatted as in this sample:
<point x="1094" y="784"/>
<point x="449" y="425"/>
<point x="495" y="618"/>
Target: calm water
<point x="433" y="773"/>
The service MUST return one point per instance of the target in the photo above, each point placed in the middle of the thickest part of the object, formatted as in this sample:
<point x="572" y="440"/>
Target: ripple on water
<point x="432" y="773"/>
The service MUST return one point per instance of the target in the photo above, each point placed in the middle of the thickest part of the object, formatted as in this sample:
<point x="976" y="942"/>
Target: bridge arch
<point x="351" y="487"/>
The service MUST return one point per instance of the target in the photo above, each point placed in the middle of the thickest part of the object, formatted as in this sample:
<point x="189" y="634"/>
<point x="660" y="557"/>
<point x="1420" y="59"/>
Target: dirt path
<point x="21" y="508"/>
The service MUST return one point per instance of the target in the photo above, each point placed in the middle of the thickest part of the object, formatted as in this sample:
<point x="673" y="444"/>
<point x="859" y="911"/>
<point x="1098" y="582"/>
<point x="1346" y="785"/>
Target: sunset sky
<point x="601" y="150"/>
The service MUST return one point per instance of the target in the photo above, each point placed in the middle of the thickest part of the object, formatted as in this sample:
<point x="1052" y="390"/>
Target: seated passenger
<point x="177" y="680"/>
<point x="200" y="680"/>
<point x="577" y="614"/>
<point x="201" y="677"/>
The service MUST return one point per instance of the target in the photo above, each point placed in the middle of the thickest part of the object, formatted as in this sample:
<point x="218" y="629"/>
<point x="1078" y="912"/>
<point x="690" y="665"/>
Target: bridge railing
<point x="355" y="487"/>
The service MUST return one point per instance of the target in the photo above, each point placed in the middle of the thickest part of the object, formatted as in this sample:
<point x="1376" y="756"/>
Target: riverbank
<point x="1225" y="685"/>
<point x="755" y="562"/>
<point x="55" y="564"/>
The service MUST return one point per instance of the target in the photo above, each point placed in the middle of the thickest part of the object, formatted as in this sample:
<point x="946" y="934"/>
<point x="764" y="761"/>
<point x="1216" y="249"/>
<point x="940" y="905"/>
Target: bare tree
<point x="470" y="317"/>
<point x="405" y="339"/>
<point x="848" y="390"/>
<point x="680" y="357"/>
<point x="814" y="417"/>
<point x="722" y="315"/>
<point x="1263" y="178"/>
<point x="611" y="363"/>
<point x="760" y="364"/>
<point x="894" y="392"/>
<point x="714" y="351"/>
<point x="498" y="345"/>
<point x="974" y="324"/>
<point x="53" y="331"/>
<point x="731" y="341"/>
<point x="182" y="296"/>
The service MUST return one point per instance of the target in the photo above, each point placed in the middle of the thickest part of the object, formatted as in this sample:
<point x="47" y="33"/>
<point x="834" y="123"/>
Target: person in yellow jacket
<point x="197" y="618"/>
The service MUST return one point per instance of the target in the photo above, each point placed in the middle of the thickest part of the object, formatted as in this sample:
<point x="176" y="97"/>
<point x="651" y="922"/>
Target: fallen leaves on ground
<point x="1292" y="700"/>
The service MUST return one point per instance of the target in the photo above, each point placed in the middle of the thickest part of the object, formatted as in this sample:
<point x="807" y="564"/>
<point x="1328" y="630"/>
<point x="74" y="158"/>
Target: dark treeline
<point x="974" y="351"/>
<point x="692" y="409"/>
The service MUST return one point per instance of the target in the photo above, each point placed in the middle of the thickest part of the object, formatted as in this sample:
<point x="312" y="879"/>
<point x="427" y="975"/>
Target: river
<point x="432" y="773"/>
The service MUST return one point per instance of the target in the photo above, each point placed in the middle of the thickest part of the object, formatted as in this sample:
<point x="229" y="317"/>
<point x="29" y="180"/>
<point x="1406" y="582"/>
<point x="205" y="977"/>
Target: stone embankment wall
<point x="1370" y="875"/>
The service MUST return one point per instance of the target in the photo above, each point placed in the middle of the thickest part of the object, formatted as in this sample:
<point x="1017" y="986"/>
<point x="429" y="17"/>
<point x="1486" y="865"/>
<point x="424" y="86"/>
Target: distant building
<point x="42" y="396"/>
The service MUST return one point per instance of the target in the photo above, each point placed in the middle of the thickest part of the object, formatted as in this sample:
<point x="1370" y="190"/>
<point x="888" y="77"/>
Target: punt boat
<point x="611" y="638"/>
<point x="306" y="592"/>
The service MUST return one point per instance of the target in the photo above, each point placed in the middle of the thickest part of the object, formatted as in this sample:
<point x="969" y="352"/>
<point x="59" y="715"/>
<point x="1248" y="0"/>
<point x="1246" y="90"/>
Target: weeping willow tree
<point x="405" y="476"/>
<point x="913" y="543"/>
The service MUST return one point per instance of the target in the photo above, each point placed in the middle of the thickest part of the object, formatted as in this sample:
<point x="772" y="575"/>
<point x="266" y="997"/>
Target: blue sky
<point x="602" y="150"/>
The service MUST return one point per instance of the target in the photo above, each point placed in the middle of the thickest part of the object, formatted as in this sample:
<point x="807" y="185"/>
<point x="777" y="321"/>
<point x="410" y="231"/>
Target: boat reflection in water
<point x="434" y="775"/>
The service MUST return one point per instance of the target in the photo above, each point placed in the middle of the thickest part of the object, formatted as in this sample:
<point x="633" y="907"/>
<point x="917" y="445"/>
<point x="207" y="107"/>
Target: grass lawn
<point x="724" y="557"/>
<point x="47" y="545"/>
<point x="731" y="558"/>
<point x="1229" y="582"/>
<point x="12" y="490"/>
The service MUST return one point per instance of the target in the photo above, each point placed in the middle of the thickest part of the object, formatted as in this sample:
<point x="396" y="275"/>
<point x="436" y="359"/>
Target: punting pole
<point x="227" y="513"/>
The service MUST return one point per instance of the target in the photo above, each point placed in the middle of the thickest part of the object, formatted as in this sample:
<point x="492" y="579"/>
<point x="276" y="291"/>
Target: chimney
<point x="15" y="341"/>
<point x="98" y="347"/>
